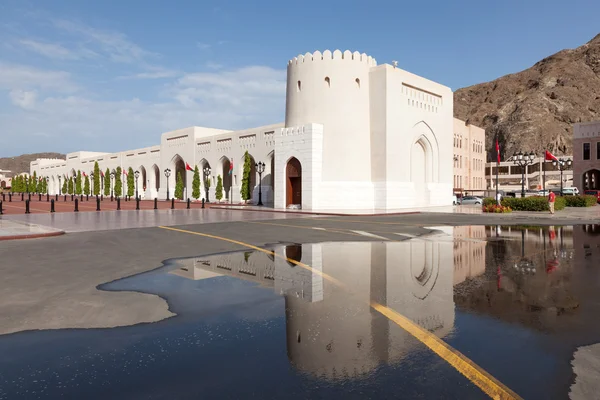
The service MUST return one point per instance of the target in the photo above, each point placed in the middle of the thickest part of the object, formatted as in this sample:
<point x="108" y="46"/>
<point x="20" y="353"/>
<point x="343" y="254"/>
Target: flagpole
<point x="497" y="167"/>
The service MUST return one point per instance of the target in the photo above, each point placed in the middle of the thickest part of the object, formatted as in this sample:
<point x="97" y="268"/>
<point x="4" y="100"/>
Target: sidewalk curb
<point x="32" y="235"/>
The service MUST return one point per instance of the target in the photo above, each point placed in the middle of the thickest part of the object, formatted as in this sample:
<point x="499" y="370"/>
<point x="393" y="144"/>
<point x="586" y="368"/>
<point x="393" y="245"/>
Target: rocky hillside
<point x="534" y="109"/>
<point x="20" y="163"/>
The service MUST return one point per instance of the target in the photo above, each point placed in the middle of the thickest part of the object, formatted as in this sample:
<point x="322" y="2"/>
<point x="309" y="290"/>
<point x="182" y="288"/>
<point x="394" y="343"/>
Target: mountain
<point x="533" y="110"/>
<point x="20" y="163"/>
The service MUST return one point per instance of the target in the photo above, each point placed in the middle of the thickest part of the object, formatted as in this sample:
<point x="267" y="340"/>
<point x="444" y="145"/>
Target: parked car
<point x="570" y="191"/>
<point x="593" y="193"/>
<point x="471" y="200"/>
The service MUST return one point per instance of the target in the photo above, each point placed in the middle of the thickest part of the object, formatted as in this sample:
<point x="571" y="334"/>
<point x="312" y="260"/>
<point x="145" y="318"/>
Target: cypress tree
<point x="33" y="183"/>
<point x="64" y="187"/>
<point x="96" y="179"/>
<point x="86" y="185"/>
<point x="107" y="183"/>
<point x="196" y="183"/>
<point x="70" y="185"/>
<point x="219" y="188"/>
<point x="118" y="183"/>
<point x="179" y="187"/>
<point x="78" y="189"/>
<point x="130" y="182"/>
<point x="13" y="183"/>
<point x="245" y="191"/>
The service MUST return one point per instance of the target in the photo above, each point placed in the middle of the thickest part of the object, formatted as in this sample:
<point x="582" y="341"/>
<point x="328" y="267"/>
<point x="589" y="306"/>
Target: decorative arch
<point x="177" y="166"/>
<point x="269" y="177"/>
<point x="426" y="138"/>
<point x="424" y="267"/>
<point x="223" y="170"/>
<point x="155" y="177"/>
<point x="293" y="179"/>
<point x="590" y="180"/>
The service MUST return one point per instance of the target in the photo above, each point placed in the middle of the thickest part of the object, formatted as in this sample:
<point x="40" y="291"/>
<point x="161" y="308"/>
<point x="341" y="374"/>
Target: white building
<point x="357" y="135"/>
<point x="5" y="180"/>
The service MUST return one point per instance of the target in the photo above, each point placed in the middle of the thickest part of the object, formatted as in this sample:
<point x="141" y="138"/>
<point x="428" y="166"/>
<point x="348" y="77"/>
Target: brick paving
<point x="17" y="206"/>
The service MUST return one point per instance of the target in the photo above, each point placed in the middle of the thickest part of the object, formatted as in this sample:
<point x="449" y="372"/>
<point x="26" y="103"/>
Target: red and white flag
<point x="187" y="167"/>
<point x="550" y="156"/>
<point x="124" y="172"/>
<point x="84" y="174"/>
<point x="498" y="151"/>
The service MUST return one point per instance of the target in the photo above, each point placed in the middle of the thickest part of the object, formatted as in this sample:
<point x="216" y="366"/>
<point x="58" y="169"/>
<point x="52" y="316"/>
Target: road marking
<point x="334" y="230"/>
<point x="364" y="233"/>
<point x="482" y="379"/>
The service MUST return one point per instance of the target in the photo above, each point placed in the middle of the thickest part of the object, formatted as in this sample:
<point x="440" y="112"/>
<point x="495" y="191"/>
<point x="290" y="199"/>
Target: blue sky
<point x="113" y="75"/>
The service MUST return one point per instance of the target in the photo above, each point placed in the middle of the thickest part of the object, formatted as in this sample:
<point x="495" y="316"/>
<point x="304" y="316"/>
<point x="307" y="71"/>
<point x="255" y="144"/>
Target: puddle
<point x="518" y="301"/>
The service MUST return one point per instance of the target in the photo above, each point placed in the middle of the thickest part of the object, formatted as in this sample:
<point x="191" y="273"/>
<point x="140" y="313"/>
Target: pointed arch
<point x="177" y="166"/>
<point x="293" y="179"/>
<point x="223" y="170"/>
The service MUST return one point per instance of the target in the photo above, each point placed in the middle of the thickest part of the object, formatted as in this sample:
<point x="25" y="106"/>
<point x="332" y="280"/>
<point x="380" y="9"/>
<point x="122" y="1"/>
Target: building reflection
<point x="331" y="330"/>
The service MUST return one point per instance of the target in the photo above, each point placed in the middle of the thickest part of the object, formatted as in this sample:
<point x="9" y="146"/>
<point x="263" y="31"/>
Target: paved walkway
<point x="10" y="229"/>
<point x="466" y="209"/>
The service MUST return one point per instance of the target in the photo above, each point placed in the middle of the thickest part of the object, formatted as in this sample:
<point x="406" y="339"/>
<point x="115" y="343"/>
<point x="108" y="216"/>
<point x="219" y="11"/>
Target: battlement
<point x="336" y="55"/>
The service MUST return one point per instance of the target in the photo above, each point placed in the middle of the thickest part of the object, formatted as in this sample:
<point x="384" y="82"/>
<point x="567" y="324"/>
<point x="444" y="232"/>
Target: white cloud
<point x="22" y="98"/>
<point x="50" y="50"/>
<point x="203" y="46"/>
<point x="114" y="45"/>
<point x="15" y="76"/>
<point x="229" y="99"/>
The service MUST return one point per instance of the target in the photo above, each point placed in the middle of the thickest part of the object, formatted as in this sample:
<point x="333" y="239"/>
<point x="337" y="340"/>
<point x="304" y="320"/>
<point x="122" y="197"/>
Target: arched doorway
<point x="418" y="170"/>
<point x="3" y="184"/>
<point x="591" y="180"/>
<point x="156" y="176"/>
<point x="226" y="176"/>
<point x="293" y="191"/>
<point x="144" y="183"/>
<point x="293" y="252"/>
<point x="178" y="168"/>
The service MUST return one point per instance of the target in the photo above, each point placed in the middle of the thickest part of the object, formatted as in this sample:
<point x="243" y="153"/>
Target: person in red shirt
<point x="551" y="199"/>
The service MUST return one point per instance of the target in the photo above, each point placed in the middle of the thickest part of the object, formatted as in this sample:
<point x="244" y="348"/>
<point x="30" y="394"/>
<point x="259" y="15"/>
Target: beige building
<point x="469" y="157"/>
<point x="469" y="252"/>
<point x="586" y="155"/>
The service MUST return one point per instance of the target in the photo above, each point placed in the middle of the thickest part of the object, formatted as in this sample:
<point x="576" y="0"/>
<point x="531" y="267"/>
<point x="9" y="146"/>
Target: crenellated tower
<point x="333" y="89"/>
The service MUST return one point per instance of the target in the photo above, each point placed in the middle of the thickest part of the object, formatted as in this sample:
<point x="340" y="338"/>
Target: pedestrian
<point x="551" y="199"/>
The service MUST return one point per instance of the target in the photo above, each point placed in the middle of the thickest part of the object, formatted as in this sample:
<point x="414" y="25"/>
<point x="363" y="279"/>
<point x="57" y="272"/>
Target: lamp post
<point x="206" y="175"/>
<point x="523" y="160"/>
<point x="47" y="182"/>
<point x="91" y="183"/>
<point x="137" y="175"/>
<point x="167" y="174"/>
<point x="260" y="168"/>
<point x="112" y="177"/>
<point x="562" y="164"/>
<point x="59" y="186"/>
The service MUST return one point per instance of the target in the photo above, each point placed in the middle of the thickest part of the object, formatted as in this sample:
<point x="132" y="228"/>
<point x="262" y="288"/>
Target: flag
<point x="84" y="175"/>
<point x="102" y="173"/>
<point x="187" y="167"/>
<point x="124" y="172"/>
<point x="230" y="167"/>
<point x="550" y="156"/>
<point x="498" y="150"/>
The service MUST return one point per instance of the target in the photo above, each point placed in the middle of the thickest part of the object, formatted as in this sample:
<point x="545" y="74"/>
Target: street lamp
<point x="206" y="175"/>
<point x="59" y="186"/>
<point x="523" y="160"/>
<point x="562" y="164"/>
<point x="137" y="175"/>
<point x="47" y="182"/>
<point x="112" y="178"/>
<point x="91" y="191"/>
<point x="167" y="174"/>
<point x="260" y="168"/>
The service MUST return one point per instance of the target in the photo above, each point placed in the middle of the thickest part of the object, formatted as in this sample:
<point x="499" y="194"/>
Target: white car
<point x="570" y="191"/>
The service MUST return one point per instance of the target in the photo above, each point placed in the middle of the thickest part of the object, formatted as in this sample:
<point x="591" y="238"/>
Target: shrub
<point x="494" y="208"/>
<point x="534" y="203"/>
<point x="219" y="188"/>
<point x="580" y="201"/>
<point x="179" y="187"/>
<point x="488" y="201"/>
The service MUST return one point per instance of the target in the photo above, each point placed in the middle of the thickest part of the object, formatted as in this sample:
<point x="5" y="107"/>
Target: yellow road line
<point x="482" y="379"/>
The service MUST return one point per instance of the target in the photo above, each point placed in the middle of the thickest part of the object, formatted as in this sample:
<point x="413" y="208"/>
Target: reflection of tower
<point x="331" y="329"/>
<point x="469" y="252"/>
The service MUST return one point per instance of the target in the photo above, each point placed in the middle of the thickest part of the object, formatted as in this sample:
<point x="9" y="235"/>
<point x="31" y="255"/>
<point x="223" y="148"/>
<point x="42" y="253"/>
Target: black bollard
<point x="111" y="197"/>
<point x="155" y="203"/>
<point x="57" y="197"/>
<point x="97" y="203"/>
<point x="118" y="203"/>
<point x="203" y="202"/>
<point x="26" y="206"/>
<point x="188" y="203"/>
<point x="22" y="196"/>
<point x="47" y="197"/>
<point x="102" y="197"/>
<point x="81" y="198"/>
<point x="173" y="203"/>
<point x="137" y="203"/>
<point x="65" y="197"/>
<point x="76" y="205"/>
<point x="29" y="196"/>
<point x="1" y="212"/>
<point x="72" y="197"/>
<point x="52" y="206"/>
<point x="87" y="197"/>
<point x="40" y="199"/>
<point x="10" y="197"/>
